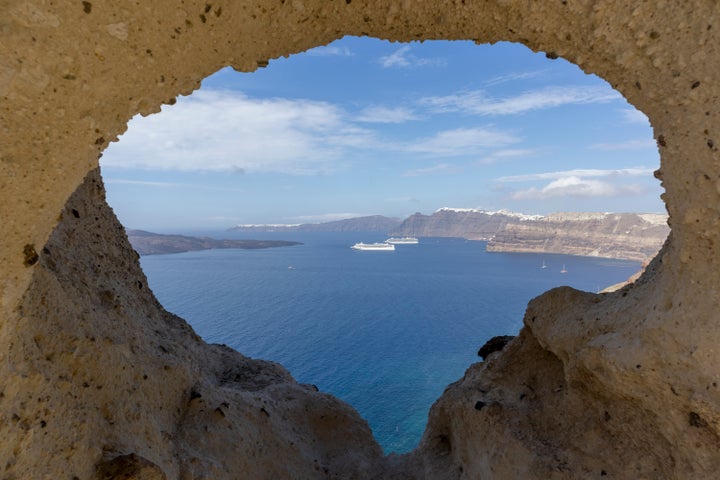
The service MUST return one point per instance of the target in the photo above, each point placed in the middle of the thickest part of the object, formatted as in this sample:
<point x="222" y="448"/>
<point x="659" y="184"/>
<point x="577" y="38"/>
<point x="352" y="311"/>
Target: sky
<point x="369" y="127"/>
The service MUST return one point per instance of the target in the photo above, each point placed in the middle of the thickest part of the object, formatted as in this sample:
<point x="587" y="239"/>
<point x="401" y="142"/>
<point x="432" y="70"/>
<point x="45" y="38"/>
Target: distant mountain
<point x="373" y="223"/>
<point x="459" y="222"/>
<point x="148" y="243"/>
<point x="612" y="235"/>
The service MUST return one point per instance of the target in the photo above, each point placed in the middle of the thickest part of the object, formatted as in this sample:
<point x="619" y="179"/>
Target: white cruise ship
<point x="380" y="247"/>
<point x="402" y="241"/>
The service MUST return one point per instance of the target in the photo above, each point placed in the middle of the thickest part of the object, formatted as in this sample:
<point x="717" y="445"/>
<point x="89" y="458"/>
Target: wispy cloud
<point x="145" y="183"/>
<point x="633" y="115"/>
<point x="402" y="58"/>
<point x="160" y="184"/>
<point x="442" y="168"/>
<point x="227" y="131"/>
<point x="580" y="183"/>
<point x="626" y="145"/>
<point x="505" y="154"/>
<point x="478" y="102"/>
<point x="512" y="77"/>
<point x="462" y="141"/>
<point x="380" y="114"/>
<point x="330" y="51"/>
<point x="578" y="187"/>
<point x="591" y="173"/>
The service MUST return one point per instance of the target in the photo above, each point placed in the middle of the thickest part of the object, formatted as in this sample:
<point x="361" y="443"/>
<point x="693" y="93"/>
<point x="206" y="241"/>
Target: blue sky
<point x="364" y="127"/>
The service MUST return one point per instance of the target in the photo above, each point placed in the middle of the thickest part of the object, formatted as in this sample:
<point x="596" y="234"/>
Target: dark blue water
<point x="384" y="331"/>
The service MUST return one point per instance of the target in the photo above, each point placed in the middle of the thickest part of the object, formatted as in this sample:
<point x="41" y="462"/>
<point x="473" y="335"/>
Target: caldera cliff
<point x="629" y="236"/>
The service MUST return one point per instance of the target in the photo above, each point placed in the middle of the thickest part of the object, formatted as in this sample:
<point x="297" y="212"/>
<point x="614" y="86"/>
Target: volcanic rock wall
<point x="97" y="381"/>
<point x="628" y="236"/>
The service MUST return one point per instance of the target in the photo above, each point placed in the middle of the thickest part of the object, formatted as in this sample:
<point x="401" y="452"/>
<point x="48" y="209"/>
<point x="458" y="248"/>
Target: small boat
<point x="378" y="247"/>
<point x="402" y="241"/>
<point x="564" y="270"/>
<point x="543" y="265"/>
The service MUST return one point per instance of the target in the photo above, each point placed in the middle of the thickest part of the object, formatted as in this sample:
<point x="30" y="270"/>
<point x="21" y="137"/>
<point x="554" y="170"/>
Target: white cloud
<point x="145" y="183"/>
<point x="227" y="131"/>
<point x="511" y="77"/>
<point x="627" y="145"/>
<point x="380" y="114"/>
<point x="592" y="173"/>
<point x="501" y="155"/>
<point x="442" y="168"/>
<point x="402" y="58"/>
<point x="462" y="141"/>
<point x="578" y="187"/>
<point x="330" y="51"/>
<point x="479" y="103"/>
<point x="633" y="115"/>
<point x="580" y="183"/>
<point x="396" y="59"/>
<point x="156" y="184"/>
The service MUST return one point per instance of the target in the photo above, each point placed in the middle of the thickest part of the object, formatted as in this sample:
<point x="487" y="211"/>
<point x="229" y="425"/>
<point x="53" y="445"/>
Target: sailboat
<point x="543" y="265"/>
<point x="564" y="270"/>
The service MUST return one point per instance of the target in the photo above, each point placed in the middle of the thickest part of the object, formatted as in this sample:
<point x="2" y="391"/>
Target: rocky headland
<point x="148" y="243"/>
<point x="629" y="236"/>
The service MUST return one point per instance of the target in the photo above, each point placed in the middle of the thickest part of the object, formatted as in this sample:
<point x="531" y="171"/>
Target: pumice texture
<point x="98" y="381"/>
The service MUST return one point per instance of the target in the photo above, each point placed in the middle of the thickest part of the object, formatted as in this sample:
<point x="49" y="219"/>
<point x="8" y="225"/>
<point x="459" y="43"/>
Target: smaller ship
<point x="379" y="247"/>
<point x="564" y="270"/>
<point x="402" y="241"/>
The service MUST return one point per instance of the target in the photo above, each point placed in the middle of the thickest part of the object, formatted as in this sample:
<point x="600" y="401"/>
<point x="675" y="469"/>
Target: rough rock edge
<point x="141" y="391"/>
<point x="73" y="74"/>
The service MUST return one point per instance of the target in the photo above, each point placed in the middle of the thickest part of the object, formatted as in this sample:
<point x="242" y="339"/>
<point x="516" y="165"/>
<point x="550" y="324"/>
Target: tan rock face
<point x="98" y="381"/>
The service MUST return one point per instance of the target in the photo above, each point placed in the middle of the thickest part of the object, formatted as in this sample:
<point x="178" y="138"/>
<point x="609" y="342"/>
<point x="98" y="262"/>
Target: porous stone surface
<point x="104" y="382"/>
<point x="97" y="381"/>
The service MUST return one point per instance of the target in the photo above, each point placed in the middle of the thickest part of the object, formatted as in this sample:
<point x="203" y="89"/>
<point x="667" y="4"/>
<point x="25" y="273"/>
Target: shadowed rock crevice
<point x="128" y="467"/>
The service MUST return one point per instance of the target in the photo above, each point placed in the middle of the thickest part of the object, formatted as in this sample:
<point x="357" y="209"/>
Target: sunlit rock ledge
<point x="98" y="381"/>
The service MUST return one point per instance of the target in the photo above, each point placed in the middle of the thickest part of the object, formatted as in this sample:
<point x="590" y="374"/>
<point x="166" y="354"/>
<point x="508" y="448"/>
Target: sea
<point x="384" y="331"/>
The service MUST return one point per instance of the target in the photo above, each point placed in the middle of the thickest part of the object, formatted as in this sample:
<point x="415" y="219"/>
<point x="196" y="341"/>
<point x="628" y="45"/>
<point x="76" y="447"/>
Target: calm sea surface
<point x="384" y="331"/>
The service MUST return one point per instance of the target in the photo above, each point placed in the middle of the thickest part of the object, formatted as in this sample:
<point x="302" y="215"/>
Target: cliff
<point x="621" y="235"/>
<point x="612" y="235"/>
<point x="148" y="243"/>
<point x="463" y="223"/>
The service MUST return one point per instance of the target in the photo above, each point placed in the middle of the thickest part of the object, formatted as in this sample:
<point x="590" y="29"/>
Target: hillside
<point x="372" y="223"/>
<point x="148" y="243"/>
<point x="460" y="222"/>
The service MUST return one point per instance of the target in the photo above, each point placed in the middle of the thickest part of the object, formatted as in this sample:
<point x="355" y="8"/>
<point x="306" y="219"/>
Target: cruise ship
<point x="402" y="241"/>
<point x="381" y="247"/>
